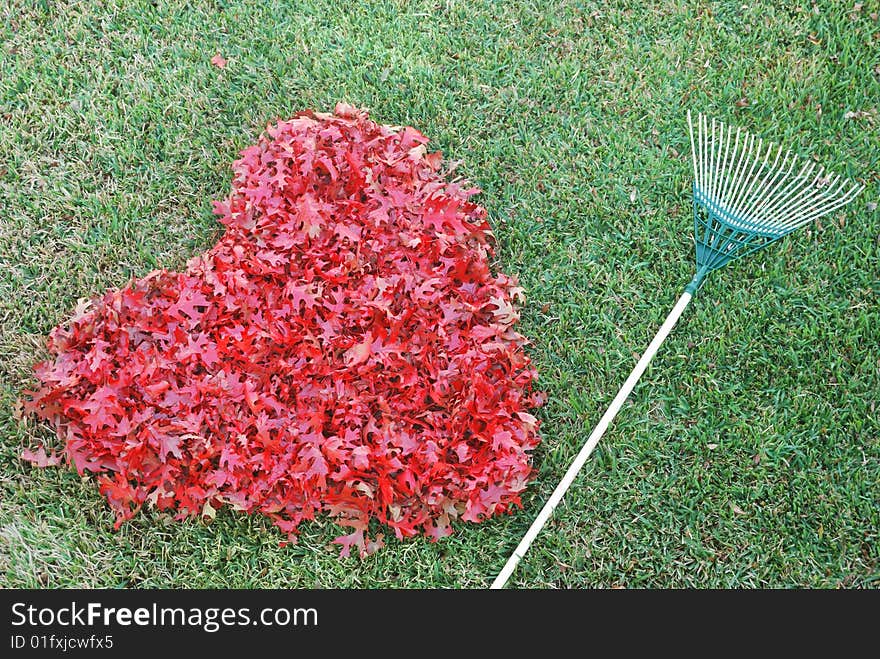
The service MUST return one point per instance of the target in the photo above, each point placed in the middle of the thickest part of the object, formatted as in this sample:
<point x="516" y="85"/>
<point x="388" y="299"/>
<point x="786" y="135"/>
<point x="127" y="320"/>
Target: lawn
<point x="749" y="455"/>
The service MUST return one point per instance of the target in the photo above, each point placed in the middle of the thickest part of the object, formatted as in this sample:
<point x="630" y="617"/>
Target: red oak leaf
<point x="40" y="459"/>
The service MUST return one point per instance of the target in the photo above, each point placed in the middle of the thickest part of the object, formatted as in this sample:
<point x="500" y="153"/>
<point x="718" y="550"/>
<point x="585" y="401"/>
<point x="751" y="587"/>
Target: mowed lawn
<point x="747" y="457"/>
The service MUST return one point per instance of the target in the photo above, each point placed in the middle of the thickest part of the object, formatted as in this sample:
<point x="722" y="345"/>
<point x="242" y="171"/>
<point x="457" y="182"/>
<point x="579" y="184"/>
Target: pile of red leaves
<point x="343" y="348"/>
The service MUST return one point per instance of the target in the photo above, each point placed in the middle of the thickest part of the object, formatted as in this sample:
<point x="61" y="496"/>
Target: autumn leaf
<point x="434" y="160"/>
<point x="39" y="458"/>
<point x="359" y="353"/>
<point x="219" y="61"/>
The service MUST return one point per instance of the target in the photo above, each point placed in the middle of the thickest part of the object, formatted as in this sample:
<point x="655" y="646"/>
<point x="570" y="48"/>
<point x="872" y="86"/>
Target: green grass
<point x="748" y="456"/>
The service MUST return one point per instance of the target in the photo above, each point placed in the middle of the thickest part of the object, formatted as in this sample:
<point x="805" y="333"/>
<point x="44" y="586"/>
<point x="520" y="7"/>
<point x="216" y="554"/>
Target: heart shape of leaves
<point x="344" y="348"/>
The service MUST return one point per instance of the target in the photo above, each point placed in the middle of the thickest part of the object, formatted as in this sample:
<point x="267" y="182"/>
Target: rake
<point x="746" y="195"/>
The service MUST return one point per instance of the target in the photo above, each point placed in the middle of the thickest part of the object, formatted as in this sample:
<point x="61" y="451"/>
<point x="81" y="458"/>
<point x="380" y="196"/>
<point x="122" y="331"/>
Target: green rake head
<point x="747" y="194"/>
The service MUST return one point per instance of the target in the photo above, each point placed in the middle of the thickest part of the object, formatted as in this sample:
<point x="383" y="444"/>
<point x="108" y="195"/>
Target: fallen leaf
<point x="219" y="61"/>
<point x="39" y="457"/>
<point x="359" y="353"/>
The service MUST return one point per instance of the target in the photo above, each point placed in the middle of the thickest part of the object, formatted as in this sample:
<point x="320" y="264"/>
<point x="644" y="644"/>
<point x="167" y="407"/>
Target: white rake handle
<point x="594" y="438"/>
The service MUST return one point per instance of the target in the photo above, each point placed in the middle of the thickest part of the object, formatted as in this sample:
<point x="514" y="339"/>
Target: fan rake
<point x="746" y="195"/>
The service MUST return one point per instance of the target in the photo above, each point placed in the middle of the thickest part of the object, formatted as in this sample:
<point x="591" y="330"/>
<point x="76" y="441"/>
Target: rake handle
<point x="594" y="438"/>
